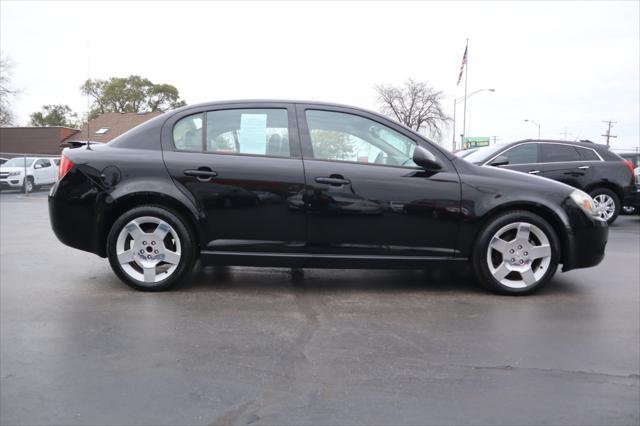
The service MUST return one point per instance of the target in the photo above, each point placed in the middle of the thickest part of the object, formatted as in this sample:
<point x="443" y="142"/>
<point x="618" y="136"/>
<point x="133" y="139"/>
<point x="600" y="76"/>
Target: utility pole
<point x="565" y="134"/>
<point x="608" y="135"/>
<point x="494" y="139"/>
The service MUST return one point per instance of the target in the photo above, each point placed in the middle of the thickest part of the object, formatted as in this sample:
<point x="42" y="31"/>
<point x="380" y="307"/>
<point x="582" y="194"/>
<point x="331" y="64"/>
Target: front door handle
<point x="534" y="172"/>
<point x="583" y="167"/>
<point x="333" y="181"/>
<point x="204" y="174"/>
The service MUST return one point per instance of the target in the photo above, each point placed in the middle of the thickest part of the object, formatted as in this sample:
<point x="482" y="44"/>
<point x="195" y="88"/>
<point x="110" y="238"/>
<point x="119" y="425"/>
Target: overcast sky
<point x="565" y="65"/>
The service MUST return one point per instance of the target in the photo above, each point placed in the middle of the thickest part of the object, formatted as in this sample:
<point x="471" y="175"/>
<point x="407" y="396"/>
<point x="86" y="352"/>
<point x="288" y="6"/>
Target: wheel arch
<point x="145" y="198"/>
<point x="607" y="185"/>
<point x="547" y="213"/>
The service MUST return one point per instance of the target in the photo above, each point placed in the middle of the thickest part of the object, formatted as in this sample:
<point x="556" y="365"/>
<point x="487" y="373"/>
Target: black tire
<point x="616" y="201"/>
<point x="187" y="243"/>
<point x="480" y="252"/>
<point x="29" y="187"/>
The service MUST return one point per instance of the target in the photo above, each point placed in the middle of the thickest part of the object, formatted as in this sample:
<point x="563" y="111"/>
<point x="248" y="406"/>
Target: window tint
<point x="523" y="154"/>
<point x="346" y="137"/>
<point x="588" y="154"/>
<point x="249" y="131"/>
<point x="187" y="133"/>
<point x="43" y="163"/>
<point x="56" y="161"/>
<point x="554" y="153"/>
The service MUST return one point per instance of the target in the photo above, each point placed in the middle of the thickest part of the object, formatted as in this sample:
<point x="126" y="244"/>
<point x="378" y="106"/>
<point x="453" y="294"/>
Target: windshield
<point x="484" y="153"/>
<point x="18" y="162"/>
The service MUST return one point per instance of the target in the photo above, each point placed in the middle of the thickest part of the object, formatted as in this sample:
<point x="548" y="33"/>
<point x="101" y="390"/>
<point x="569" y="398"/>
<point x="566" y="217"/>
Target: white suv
<point x="39" y="171"/>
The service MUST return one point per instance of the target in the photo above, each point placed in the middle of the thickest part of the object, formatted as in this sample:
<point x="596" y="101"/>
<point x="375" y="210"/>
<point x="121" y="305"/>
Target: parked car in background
<point x="38" y="172"/>
<point x="604" y="175"/>
<point x="632" y="201"/>
<point x="634" y="158"/>
<point x="3" y="160"/>
<point x="464" y="152"/>
<point x="301" y="184"/>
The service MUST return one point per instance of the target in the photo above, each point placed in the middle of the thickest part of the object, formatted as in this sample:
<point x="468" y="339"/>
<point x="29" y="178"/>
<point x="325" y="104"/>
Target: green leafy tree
<point x="130" y="94"/>
<point x="55" y="115"/>
<point x="332" y="145"/>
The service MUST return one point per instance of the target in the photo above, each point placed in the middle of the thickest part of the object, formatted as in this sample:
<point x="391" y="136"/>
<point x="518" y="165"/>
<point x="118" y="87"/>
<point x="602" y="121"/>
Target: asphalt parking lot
<point x="245" y="345"/>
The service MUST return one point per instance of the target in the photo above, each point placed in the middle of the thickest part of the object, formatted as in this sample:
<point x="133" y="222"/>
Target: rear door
<point x="564" y="163"/>
<point x="241" y="165"/>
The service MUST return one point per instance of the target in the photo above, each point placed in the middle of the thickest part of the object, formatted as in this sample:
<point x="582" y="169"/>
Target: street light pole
<point x="455" y="104"/>
<point x="533" y="122"/>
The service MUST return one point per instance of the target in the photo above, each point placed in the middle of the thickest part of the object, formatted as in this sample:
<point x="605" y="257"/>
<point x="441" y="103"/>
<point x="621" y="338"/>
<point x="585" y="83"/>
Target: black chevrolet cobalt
<point x="302" y="184"/>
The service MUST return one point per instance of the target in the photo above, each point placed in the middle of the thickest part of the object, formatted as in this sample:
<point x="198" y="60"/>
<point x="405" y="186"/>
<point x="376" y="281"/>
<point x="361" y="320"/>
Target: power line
<point x="608" y="135"/>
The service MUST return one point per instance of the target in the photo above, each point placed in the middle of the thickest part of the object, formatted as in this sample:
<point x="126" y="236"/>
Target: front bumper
<point x="586" y="240"/>
<point x="13" y="182"/>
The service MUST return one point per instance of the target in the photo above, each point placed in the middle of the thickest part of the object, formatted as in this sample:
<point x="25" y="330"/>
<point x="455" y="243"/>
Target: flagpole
<point x="464" y="113"/>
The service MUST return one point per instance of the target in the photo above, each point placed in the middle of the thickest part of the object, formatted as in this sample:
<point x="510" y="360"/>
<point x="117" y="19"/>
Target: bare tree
<point x="416" y="105"/>
<point x="6" y="92"/>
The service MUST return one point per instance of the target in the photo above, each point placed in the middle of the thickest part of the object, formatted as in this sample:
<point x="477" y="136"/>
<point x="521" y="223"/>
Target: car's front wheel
<point x="150" y="248"/>
<point x="516" y="253"/>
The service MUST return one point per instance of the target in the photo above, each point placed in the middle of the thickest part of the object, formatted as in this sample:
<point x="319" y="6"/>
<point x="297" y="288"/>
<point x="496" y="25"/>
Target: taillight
<point x="633" y="171"/>
<point x="65" y="166"/>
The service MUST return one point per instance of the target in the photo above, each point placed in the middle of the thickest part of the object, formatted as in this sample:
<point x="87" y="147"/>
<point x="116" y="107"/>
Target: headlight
<point x="15" y="173"/>
<point x="585" y="202"/>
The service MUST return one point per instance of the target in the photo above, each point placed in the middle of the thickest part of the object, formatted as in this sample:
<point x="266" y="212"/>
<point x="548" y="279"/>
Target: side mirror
<point x="425" y="159"/>
<point x="500" y="160"/>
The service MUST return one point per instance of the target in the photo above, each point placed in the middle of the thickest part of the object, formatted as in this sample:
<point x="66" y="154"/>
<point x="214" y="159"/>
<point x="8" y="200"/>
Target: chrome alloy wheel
<point x="148" y="249"/>
<point x="604" y="205"/>
<point x="519" y="255"/>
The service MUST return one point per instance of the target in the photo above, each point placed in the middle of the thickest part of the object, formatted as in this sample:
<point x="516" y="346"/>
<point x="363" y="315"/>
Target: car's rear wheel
<point x="516" y="253"/>
<point x="606" y="203"/>
<point x="150" y="248"/>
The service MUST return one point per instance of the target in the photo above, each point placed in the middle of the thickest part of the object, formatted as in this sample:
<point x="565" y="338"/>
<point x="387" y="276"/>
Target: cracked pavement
<point x="272" y="346"/>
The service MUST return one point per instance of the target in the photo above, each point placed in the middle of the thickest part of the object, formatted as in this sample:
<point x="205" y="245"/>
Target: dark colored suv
<point x="603" y="174"/>
<point x="301" y="184"/>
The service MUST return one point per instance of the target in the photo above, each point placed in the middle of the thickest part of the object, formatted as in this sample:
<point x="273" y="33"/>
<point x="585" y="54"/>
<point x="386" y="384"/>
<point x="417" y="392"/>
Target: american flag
<point x="464" y="62"/>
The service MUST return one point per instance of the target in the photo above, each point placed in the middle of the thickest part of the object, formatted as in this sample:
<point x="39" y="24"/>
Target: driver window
<point x="339" y="136"/>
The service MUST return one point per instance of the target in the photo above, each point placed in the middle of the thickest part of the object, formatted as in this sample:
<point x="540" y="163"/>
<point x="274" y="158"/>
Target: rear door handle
<point x="534" y="172"/>
<point x="203" y="174"/>
<point x="583" y="167"/>
<point x="333" y="181"/>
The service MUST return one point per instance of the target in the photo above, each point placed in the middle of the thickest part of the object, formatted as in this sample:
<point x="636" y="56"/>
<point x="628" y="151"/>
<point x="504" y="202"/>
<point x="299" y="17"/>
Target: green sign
<point x="476" y="142"/>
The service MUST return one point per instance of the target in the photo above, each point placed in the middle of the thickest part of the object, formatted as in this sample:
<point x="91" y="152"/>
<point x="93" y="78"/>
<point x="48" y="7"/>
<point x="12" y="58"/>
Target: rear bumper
<point x="586" y="241"/>
<point x="633" y="199"/>
<point x="74" y="210"/>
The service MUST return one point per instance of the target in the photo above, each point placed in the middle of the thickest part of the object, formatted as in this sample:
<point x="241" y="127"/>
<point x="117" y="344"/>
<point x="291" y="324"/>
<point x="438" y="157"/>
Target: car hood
<point x="12" y="169"/>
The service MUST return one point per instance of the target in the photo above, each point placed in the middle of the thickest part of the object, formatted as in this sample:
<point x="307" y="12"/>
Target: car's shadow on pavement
<point x="319" y="281"/>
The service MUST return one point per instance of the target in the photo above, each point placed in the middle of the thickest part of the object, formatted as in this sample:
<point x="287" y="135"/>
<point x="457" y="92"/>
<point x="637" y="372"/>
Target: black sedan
<point x="301" y="184"/>
<point x="591" y="167"/>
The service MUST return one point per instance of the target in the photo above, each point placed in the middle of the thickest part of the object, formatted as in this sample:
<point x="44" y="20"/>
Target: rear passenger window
<point x="523" y="154"/>
<point x="588" y="154"/>
<point x="187" y="133"/>
<point x="248" y="131"/>
<point x="554" y="153"/>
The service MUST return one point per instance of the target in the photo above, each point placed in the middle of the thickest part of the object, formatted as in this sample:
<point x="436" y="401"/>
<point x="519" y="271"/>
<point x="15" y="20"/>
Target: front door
<point x="242" y="167"/>
<point x="364" y="195"/>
